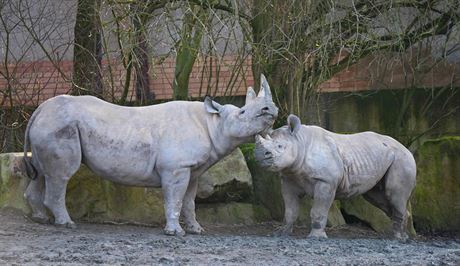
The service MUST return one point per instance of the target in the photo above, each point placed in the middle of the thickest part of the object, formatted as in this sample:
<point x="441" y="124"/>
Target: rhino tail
<point x="31" y="170"/>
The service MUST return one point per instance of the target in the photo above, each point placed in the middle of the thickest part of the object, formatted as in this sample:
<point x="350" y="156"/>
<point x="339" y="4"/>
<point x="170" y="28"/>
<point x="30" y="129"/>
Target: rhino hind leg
<point x="55" y="201"/>
<point x="34" y="195"/>
<point x="59" y="158"/>
<point x="399" y="217"/>
<point x="399" y="183"/>
<point x="188" y="209"/>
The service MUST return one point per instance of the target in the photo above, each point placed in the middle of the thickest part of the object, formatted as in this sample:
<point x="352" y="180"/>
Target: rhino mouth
<point x="262" y="158"/>
<point x="267" y="164"/>
<point x="270" y="115"/>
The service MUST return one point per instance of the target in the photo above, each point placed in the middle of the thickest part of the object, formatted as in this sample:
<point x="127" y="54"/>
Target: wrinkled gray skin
<point x="166" y="145"/>
<point x="326" y="166"/>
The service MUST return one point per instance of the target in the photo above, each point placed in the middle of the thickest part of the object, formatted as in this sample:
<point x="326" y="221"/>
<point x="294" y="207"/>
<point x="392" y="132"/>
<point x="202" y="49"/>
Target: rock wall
<point x="224" y="193"/>
<point x="436" y="199"/>
<point x="404" y="114"/>
<point x="228" y="195"/>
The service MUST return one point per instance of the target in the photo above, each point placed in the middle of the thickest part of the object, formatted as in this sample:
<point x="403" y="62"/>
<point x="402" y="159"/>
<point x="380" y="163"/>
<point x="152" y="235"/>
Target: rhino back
<point x="126" y="144"/>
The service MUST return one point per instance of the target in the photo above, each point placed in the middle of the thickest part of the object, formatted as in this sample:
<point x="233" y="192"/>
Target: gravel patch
<point x="23" y="242"/>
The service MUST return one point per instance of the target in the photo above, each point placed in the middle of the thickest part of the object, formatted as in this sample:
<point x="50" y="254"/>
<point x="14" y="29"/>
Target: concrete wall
<point x="409" y="115"/>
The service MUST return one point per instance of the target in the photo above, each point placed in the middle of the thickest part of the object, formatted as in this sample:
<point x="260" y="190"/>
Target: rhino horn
<point x="264" y="89"/>
<point x="250" y="95"/>
<point x="259" y="138"/>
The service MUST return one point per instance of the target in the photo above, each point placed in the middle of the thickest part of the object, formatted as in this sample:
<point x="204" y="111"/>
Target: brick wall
<point x="34" y="82"/>
<point x="377" y="72"/>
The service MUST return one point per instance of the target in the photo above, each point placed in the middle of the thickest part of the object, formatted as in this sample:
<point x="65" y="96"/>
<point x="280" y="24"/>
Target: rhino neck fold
<point x="302" y="143"/>
<point x="222" y="144"/>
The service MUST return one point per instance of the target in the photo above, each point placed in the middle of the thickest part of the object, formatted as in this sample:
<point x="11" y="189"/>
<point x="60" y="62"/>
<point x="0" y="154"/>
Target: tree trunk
<point x="267" y="59"/>
<point x="279" y="51"/>
<point x="142" y="66"/>
<point x="187" y="51"/>
<point x="87" y="56"/>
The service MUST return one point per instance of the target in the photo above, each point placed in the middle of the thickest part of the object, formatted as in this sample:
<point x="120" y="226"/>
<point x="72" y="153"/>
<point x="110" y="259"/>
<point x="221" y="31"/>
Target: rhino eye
<point x="280" y="146"/>
<point x="242" y="112"/>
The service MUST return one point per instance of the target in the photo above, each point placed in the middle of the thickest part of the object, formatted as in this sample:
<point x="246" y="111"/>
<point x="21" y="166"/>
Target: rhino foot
<point x="40" y="219"/>
<point x="319" y="234"/>
<point x="195" y="229"/>
<point x="170" y="231"/>
<point x="403" y="237"/>
<point x="69" y="225"/>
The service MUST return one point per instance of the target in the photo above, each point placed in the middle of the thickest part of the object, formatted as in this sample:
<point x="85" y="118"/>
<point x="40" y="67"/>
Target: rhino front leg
<point x="188" y="209"/>
<point x="174" y="185"/>
<point x="291" y="193"/>
<point x="324" y="195"/>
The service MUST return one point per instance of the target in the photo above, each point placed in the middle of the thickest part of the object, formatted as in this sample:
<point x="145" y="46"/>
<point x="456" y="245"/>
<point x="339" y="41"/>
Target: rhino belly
<point x="364" y="167"/>
<point x="124" y="158"/>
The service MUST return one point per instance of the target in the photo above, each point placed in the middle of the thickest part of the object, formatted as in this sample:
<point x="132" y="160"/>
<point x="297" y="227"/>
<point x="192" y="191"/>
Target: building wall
<point x="31" y="77"/>
<point x="388" y="71"/>
<point x="34" y="82"/>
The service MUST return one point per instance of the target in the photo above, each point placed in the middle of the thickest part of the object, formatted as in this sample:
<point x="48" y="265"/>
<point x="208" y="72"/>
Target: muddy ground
<point x="23" y="242"/>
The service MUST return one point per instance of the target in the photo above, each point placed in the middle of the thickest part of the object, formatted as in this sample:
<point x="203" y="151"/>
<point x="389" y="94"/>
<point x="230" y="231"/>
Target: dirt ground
<point x="23" y="242"/>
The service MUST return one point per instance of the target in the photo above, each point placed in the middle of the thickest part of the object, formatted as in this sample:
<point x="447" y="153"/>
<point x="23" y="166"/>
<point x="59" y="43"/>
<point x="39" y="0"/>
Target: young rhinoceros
<point x="167" y="145"/>
<point x="326" y="165"/>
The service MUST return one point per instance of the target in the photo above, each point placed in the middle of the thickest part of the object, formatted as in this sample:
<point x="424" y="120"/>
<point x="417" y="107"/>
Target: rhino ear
<point x="264" y="88"/>
<point x="211" y="106"/>
<point x="294" y="124"/>
<point x="250" y="95"/>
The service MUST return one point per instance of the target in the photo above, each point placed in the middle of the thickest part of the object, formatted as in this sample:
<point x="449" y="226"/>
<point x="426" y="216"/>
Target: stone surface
<point x="12" y="181"/>
<point x="267" y="185"/>
<point x="228" y="180"/>
<point x="94" y="199"/>
<point x="88" y="197"/>
<point x="361" y="209"/>
<point x="232" y="213"/>
<point x="436" y="200"/>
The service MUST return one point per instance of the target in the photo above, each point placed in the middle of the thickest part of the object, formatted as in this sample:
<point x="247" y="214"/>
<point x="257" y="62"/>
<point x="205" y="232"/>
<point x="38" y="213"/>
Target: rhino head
<point x="278" y="150"/>
<point x="255" y="117"/>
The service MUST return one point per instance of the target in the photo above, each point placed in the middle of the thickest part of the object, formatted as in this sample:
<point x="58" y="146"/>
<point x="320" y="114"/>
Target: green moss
<point x="94" y="199"/>
<point x="436" y="200"/>
<point x="248" y="151"/>
<point x="267" y="190"/>
<point x="403" y="114"/>
<point x="266" y="184"/>
<point x="12" y="186"/>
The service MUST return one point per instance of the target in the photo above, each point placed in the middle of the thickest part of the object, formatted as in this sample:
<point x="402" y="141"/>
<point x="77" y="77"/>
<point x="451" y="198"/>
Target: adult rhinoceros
<point x="167" y="145"/>
<point x="325" y="165"/>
